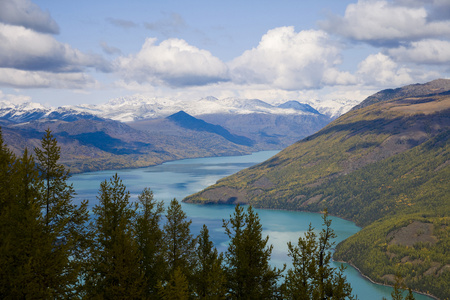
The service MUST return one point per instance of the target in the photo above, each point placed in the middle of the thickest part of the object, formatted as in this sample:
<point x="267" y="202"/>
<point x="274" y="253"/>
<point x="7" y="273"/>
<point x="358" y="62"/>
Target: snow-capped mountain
<point x="29" y="111"/>
<point x="139" y="108"/>
<point x="134" y="108"/>
<point x="332" y="108"/>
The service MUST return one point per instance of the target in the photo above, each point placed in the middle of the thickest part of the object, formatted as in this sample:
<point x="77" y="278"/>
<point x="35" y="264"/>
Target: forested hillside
<point x="384" y="165"/>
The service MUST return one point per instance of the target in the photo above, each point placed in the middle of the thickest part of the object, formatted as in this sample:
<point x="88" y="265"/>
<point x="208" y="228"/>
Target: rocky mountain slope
<point x="384" y="165"/>
<point x="97" y="144"/>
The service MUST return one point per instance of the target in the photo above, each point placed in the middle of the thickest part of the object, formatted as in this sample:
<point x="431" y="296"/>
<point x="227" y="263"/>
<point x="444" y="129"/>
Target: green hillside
<point x="385" y="166"/>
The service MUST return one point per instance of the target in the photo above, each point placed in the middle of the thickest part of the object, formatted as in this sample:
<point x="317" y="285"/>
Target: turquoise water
<point x="179" y="179"/>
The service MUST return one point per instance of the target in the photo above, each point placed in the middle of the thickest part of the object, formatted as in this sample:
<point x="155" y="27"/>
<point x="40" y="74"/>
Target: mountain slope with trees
<point x="384" y="165"/>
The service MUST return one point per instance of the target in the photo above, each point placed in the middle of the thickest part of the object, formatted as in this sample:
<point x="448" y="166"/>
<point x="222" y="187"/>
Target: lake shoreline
<point x="379" y="283"/>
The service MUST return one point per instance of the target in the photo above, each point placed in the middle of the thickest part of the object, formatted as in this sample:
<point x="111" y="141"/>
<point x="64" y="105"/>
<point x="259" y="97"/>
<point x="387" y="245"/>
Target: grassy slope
<point x="382" y="166"/>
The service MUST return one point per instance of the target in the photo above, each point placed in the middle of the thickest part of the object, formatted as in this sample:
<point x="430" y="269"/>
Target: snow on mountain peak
<point x="138" y="107"/>
<point x="24" y="106"/>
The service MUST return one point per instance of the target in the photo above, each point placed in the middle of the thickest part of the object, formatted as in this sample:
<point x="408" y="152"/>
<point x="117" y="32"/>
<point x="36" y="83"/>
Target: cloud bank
<point x="30" y="56"/>
<point x="27" y="14"/>
<point x="290" y="60"/>
<point x="174" y="63"/>
<point x="383" y="23"/>
<point x="25" y="49"/>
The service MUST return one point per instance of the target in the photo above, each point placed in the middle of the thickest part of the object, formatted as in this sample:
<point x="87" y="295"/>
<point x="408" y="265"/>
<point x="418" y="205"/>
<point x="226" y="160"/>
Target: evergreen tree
<point x="24" y="249"/>
<point x="209" y="276"/>
<point x="149" y="237"/>
<point x="177" y="288"/>
<point x="249" y="275"/>
<point x="311" y="276"/>
<point x="410" y="295"/>
<point x="397" y="293"/>
<point x="115" y="271"/>
<point x="38" y="259"/>
<point x="65" y="222"/>
<point x="7" y="161"/>
<point x="179" y="242"/>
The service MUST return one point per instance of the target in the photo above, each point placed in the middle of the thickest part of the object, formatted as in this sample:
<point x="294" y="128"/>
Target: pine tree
<point x="299" y="278"/>
<point x="177" y="288"/>
<point x="209" y="276"/>
<point x="397" y="293"/>
<point x="7" y="161"/>
<point x="312" y="276"/>
<point x="65" y="222"/>
<point x="249" y="275"/>
<point x="25" y="250"/>
<point x="410" y="295"/>
<point x="40" y="258"/>
<point x="179" y="242"/>
<point x="149" y="237"/>
<point x="115" y="271"/>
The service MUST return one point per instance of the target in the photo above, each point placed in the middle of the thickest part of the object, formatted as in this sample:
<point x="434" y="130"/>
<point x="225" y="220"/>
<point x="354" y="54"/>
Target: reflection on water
<point x="179" y="179"/>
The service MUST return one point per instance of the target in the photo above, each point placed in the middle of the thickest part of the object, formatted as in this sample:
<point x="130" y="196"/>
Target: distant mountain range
<point x="136" y="108"/>
<point x="385" y="165"/>
<point x="136" y="132"/>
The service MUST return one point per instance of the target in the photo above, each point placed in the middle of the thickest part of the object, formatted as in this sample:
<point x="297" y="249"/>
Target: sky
<point x="88" y="52"/>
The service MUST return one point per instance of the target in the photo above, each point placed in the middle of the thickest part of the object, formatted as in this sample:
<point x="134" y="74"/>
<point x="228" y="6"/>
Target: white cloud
<point x="174" y="63"/>
<point x="384" y="23"/>
<point x="25" y="49"/>
<point x="11" y="98"/>
<point x="381" y="71"/>
<point x="437" y="9"/>
<point x="41" y="79"/>
<point x="27" y="14"/>
<point x="423" y="52"/>
<point x="289" y="60"/>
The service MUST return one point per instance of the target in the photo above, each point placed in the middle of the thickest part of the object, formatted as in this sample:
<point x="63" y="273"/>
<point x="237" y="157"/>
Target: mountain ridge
<point x="135" y="108"/>
<point x="185" y="120"/>
<point x="158" y="131"/>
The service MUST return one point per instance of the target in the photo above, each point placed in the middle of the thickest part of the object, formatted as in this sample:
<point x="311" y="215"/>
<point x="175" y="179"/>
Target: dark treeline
<point x="53" y="249"/>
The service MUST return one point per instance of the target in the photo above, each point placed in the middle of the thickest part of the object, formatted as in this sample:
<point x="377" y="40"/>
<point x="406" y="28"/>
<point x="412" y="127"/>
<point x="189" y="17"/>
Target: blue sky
<point x="75" y="52"/>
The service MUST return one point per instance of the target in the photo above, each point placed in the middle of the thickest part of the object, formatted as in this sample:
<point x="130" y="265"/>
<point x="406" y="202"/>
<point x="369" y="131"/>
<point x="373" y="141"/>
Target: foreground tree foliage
<point x="114" y="271"/>
<point x="312" y="276"/>
<point x="249" y="274"/>
<point x="397" y="293"/>
<point x="51" y="249"/>
<point x="209" y="275"/>
<point x="149" y="237"/>
<point x="42" y="239"/>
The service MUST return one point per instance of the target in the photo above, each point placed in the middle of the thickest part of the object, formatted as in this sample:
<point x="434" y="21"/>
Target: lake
<point x="178" y="179"/>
